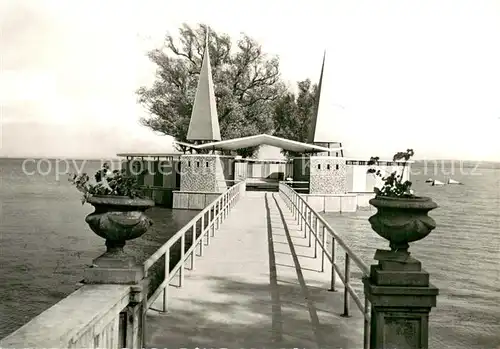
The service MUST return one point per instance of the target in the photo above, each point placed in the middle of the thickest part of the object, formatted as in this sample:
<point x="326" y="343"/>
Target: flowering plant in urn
<point x="401" y="216"/>
<point x="119" y="206"/>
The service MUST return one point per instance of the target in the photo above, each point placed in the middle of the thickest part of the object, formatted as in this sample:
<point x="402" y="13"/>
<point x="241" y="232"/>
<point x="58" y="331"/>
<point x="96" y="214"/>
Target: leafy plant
<point x="393" y="183"/>
<point x="106" y="182"/>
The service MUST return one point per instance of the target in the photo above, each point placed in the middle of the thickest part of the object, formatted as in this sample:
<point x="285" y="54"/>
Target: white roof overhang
<point x="257" y="140"/>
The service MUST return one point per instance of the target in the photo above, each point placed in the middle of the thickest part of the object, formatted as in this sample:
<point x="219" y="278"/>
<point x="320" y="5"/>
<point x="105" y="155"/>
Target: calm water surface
<point x="462" y="256"/>
<point x="45" y="244"/>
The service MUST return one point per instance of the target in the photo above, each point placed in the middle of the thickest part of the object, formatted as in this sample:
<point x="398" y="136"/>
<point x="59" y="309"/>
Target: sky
<point x="399" y="74"/>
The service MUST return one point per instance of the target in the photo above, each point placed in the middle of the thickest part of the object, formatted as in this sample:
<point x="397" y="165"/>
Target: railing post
<point x="302" y="216"/>
<point x="167" y="277"/>
<point x="181" y="269"/>
<point x="347" y="278"/>
<point x="212" y="223"/>
<point x="227" y="206"/>
<point x="296" y="208"/>
<point x="208" y="230"/>
<point x="296" y="198"/>
<point x="323" y="251"/>
<point x="333" y="278"/>
<point x="316" y="232"/>
<point x="226" y="199"/>
<point x="142" y="333"/>
<point x="305" y="220"/>
<point x="309" y="219"/>
<point x="193" y="243"/>
<point x="221" y="207"/>
<point x="366" y="324"/>
<point x="218" y="213"/>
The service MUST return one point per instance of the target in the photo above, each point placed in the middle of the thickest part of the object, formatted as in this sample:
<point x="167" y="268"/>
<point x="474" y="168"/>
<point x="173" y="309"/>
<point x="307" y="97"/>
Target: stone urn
<point x="118" y="219"/>
<point x="402" y="220"/>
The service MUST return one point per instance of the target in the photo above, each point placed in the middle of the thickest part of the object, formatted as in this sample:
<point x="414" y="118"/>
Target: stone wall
<point x="205" y="173"/>
<point x="327" y="175"/>
<point x="87" y="318"/>
<point x="198" y="173"/>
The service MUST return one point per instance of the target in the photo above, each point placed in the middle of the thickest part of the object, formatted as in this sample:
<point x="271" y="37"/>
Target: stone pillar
<point x="109" y="269"/>
<point x="401" y="298"/>
<point x="124" y="270"/>
<point x="202" y="172"/>
<point x="327" y="175"/>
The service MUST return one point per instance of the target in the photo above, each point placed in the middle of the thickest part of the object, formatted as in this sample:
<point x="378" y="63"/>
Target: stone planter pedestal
<point x="401" y="298"/>
<point x="398" y="288"/>
<point x="117" y="219"/>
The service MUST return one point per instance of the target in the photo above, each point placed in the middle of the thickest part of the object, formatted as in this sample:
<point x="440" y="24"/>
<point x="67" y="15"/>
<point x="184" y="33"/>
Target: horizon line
<point x="6" y="157"/>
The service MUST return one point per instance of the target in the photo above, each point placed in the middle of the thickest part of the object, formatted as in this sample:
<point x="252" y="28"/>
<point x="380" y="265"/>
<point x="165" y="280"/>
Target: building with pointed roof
<point x="312" y="127"/>
<point x="320" y="130"/>
<point x="204" y="124"/>
<point x="334" y="183"/>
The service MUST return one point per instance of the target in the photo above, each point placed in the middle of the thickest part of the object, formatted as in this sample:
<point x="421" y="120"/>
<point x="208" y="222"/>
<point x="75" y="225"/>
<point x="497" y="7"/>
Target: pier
<point x="258" y="269"/>
<point x="254" y="269"/>
<point x="259" y="284"/>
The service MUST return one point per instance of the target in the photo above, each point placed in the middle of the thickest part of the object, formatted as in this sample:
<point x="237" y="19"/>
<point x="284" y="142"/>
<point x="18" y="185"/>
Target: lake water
<point x="462" y="254"/>
<point x="45" y="244"/>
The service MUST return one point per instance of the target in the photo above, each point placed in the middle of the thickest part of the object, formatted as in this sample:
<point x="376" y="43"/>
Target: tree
<point x="246" y="82"/>
<point x="293" y="114"/>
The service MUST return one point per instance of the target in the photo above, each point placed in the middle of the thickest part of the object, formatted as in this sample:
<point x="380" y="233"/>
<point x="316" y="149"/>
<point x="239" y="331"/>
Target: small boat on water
<point x="436" y="182"/>
<point x="452" y="181"/>
<point x="429" y="180"/>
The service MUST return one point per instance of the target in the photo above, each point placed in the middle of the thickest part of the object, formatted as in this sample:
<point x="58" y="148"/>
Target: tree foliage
<point x="247" y="84"/>
<point x="293" y="113"/>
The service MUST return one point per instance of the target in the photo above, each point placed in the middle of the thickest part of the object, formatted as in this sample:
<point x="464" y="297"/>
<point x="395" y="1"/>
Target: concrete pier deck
<point x="258" y="285"/>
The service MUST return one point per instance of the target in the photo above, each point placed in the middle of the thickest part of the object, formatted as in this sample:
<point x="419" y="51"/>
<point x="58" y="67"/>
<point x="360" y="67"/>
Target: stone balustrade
<point x="94" y="316"/>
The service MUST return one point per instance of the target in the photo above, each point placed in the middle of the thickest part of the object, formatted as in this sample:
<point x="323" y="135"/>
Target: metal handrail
<point x="217" y="213"/>
<point x="305" y="215"/>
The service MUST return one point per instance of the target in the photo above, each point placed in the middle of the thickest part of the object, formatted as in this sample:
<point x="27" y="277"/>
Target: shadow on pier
<point x="258" y="285"/>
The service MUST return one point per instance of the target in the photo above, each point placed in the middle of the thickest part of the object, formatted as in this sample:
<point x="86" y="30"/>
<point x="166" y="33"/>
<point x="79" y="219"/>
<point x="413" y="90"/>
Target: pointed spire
<point x="204" y="124"/>
<point x="314" y="121"/>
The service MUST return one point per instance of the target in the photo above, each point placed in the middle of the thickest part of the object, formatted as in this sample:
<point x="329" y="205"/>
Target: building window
<point x="197" y="164"/>
<point x="207" y="163"/>
<point x="337" y="166"/>
<point x="362" y="163"/>
<point x="328" y="166"/>
<point x="337" y="154"/>
<point x="319" y="166"/>
<point x="189" y="163"/>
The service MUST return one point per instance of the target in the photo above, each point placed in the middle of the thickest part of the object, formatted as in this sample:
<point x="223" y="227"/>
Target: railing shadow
<point x="303" y="286"/>
<point x="277" y="316"/>
<point x="280" y="313"/>
<point x="241" y="320"/>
